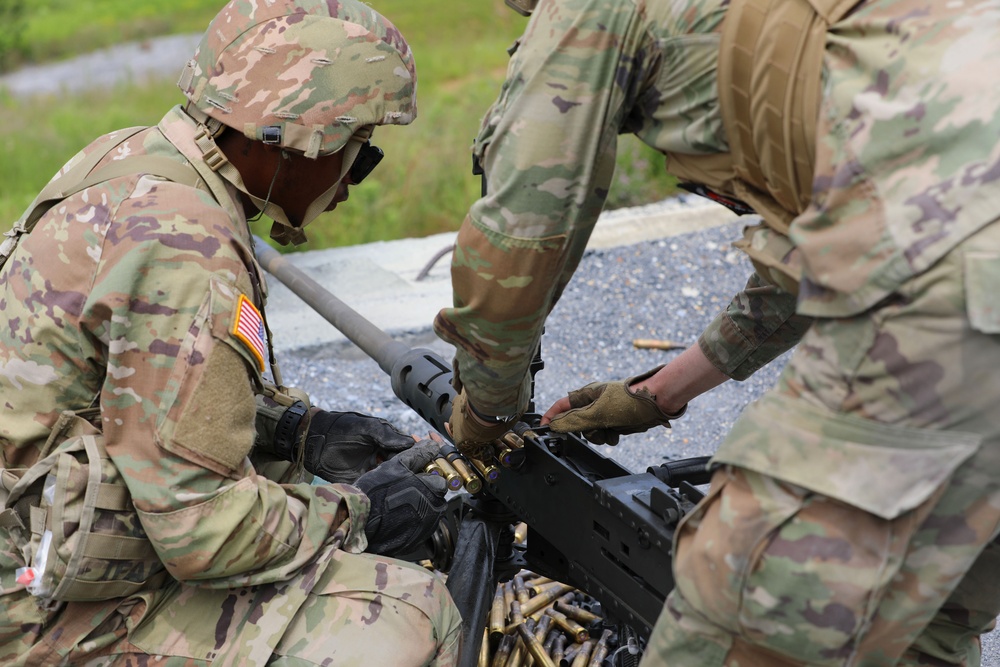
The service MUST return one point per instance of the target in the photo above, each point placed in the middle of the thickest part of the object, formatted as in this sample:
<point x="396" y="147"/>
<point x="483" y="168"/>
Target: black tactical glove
<point x="603" y="411"/>
<point x="406" y="503"/>
<point x="342" y="446"/>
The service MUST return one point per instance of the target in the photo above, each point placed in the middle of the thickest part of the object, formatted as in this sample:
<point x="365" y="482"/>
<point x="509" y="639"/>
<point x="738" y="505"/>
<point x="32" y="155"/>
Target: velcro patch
<point x="248" y="327"/>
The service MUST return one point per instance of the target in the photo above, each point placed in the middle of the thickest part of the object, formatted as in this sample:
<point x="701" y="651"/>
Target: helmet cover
<point x="302" y="74"/>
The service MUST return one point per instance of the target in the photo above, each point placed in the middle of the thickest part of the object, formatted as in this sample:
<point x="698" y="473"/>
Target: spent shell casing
<point x="520" y="535"/>
<point x="516" y="658"/>
<point x="558" y="648"/>
<point x="538" y="584"/>
<point x="600" y="650"/>
<point x="542" y="627"/>
<point x="575" y="630"/>
<point x="582" y="656"/>
<point x="498" y="615"/>
<point x="545" y="598"/>
<point x="534" y="647"/>
<point x="521" y="591"/>
<point x="451" y="475"/>
<point x="550" y="641"/>
<point x="508" y="595"/>
<point x="516" y="616"/>
<point x="578" y="614"/>
<point x="484" y="650"/>
<point x="503" y="651"/>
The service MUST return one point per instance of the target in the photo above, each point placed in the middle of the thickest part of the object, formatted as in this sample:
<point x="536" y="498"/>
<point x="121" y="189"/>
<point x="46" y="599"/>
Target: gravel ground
<point x="667" y="289"/>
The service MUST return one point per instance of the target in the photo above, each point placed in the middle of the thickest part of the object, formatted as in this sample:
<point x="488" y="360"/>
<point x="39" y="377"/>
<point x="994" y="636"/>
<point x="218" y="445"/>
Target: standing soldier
<point x="155" y="509"/>
<point x="854" y="514"/>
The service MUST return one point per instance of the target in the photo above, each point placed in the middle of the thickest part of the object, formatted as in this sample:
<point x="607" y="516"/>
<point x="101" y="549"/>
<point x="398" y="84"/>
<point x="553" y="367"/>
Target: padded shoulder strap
<point x="770" y="70"/>
<point x="80" y="177"/>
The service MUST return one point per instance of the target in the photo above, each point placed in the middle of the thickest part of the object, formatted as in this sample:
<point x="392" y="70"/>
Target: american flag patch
<point x="249" y="328"/>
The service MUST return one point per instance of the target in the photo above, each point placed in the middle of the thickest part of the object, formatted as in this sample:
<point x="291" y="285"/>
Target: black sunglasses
<point x="368" y="158"/>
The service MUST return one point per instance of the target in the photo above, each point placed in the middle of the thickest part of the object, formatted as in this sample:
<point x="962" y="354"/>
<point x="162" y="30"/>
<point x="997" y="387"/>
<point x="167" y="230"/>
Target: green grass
<point x="423" y="186"/>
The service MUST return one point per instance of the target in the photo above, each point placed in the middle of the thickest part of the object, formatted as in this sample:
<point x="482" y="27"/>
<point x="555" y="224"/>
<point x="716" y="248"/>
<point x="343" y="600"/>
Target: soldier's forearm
<point x="688" y="376"/>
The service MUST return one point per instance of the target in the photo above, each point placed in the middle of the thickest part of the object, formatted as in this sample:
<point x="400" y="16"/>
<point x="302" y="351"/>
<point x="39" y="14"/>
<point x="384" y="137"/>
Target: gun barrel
<point x="419" y="378"/>
<point x="376" y="343"/>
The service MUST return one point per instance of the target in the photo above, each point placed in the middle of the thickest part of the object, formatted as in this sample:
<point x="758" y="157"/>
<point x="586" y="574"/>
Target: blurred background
<point x="424" y="186"/>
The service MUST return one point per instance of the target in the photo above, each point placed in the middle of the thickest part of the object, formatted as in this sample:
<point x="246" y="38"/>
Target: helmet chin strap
<point x="282" y="231"/>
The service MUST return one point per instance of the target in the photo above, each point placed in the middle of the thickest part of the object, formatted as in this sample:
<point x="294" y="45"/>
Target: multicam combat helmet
<point x="312" y="76"/>
<point x="523" y="7"/>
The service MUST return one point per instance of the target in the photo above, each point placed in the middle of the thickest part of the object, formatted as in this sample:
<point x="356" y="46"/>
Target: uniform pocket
<point x="883" y="469"/>
<point x="785" y="568"/>
<point x="982" y="279"/>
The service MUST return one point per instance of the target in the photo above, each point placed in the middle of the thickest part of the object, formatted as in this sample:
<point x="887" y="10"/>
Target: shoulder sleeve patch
<point x="248" y="328"/>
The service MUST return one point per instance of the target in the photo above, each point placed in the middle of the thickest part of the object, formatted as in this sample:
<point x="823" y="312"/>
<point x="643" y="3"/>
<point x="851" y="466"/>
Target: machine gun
<point x="591" y="522"/>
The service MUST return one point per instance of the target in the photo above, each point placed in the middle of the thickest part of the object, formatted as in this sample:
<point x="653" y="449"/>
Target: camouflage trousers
<point x="855" y="518"/>
<point x="363" y="610"/>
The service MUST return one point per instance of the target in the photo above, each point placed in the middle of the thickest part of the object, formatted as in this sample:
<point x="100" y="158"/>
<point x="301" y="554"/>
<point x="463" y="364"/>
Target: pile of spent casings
<point x="537" y="622"/>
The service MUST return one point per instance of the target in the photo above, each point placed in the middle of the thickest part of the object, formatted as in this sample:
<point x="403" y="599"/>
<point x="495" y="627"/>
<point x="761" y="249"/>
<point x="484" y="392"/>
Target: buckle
<point x="214" y="158"/>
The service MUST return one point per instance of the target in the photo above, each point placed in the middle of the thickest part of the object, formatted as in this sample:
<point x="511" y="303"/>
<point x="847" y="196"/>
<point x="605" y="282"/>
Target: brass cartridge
<point x="534" y="647"/>
<point x="506" y="457"/>
<point x="558" y="648"/>
<point x="516" y="658"/>
<point x="576" y="613"/>
<point x="484" y="650"/>
<point x="451" y="475"/>
<point x="545" y="598"/>
<point x="521" y="591"/>
<point x="538" y="584"/>
<point x="519" y="656"/>
<point x="432" y="469"/>
<point x="550" y="641"/>
<point x="512" y="440"/>
<point x="503" y="651"/>
<point x="489" y="471"/>
<point x="600" y="650"/>
<point x="498" y="615"/>
<point x="542" y="627"/>
<point x="508" y="595"/>
<point x="583" y="655"/>
<point x="577" y="631"/>
<point x="472" y="482"/>
<point x="516" y="616"/>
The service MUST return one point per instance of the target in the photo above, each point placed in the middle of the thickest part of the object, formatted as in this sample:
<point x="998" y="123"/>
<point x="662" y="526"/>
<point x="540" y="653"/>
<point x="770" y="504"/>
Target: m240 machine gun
<point x="591" y="522"/>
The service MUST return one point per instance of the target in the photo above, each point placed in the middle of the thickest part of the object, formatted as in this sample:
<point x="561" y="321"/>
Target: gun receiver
<point x="591" y="522"/>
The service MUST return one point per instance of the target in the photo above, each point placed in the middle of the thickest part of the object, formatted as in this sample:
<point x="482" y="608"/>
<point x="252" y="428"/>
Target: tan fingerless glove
<point x="604" y="411"/>
<point x="472" y="435"/>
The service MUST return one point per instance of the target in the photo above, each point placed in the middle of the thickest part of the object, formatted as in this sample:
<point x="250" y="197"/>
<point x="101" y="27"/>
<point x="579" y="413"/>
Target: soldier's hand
<point x="473" y="436"/>
<point x="406" y="503"/>
<point x="342" y="446"/>
<point x="604" y="411"/>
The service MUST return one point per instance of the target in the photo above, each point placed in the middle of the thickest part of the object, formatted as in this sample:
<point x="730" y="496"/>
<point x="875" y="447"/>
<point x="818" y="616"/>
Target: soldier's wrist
<point x="289" y="430"/>
<point x="485" y="419"/>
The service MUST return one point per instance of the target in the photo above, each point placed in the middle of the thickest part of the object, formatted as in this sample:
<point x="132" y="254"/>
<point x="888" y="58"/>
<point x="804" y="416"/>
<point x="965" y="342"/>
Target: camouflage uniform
<point x="126" y="295"/>
<point x="851" y="522"/>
